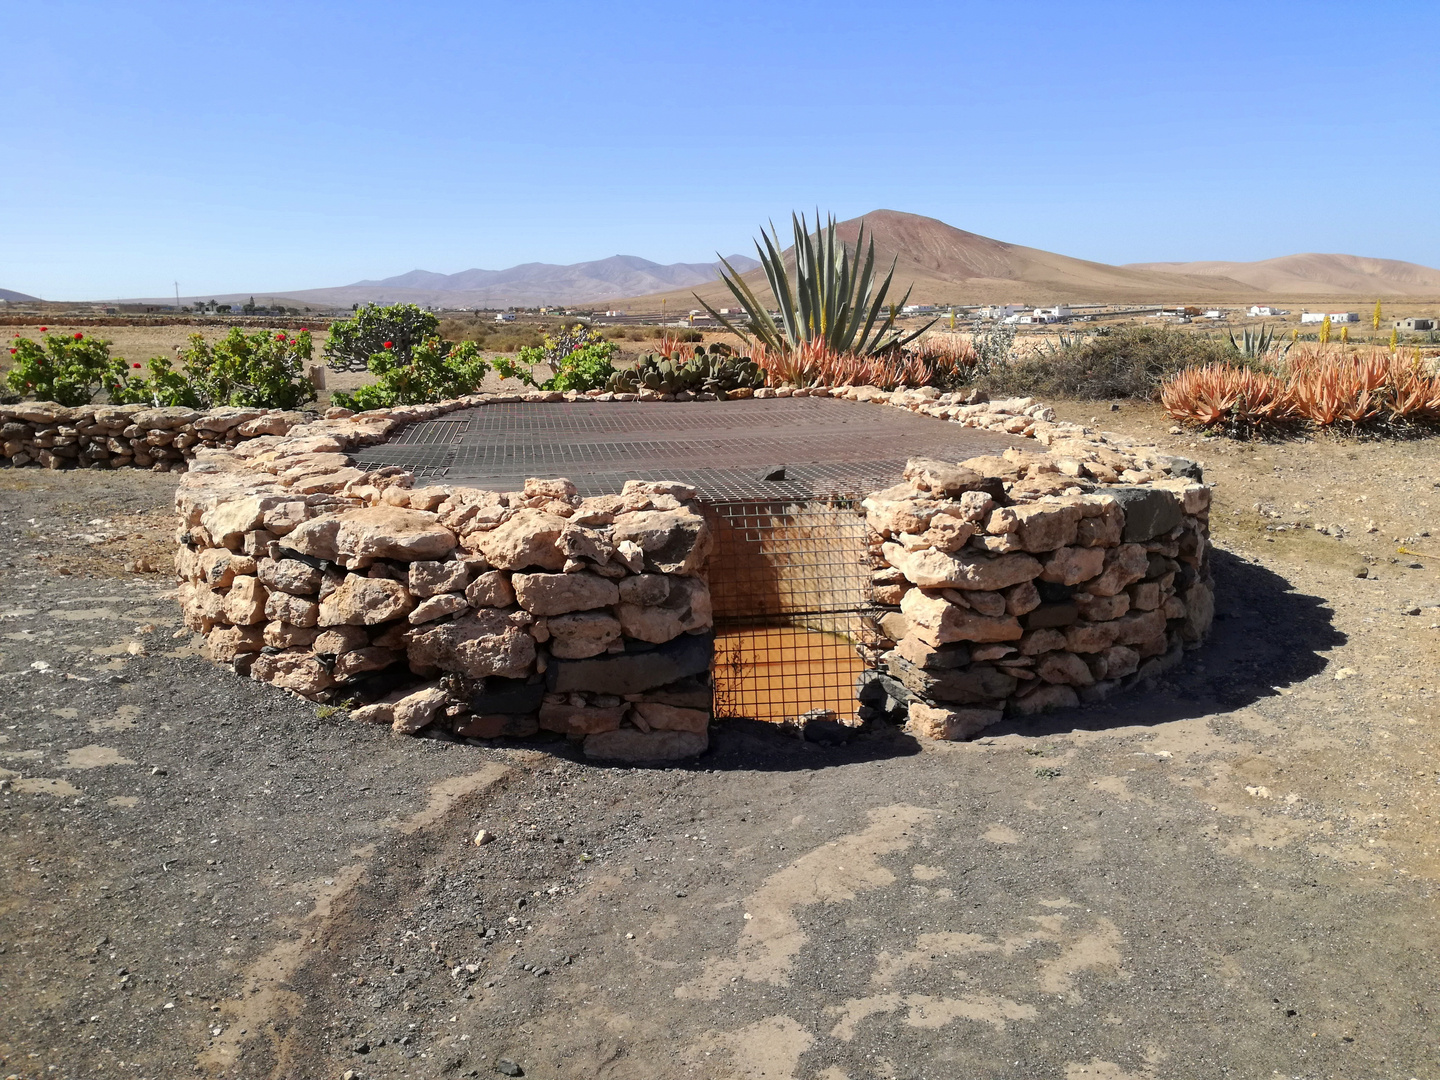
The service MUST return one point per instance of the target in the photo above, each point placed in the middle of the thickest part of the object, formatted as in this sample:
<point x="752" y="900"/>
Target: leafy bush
<point x="711" y="371"/>
<point x="1119" y="362"/>
<point x="165" y="386"/>
<point x="67" y="369"/>
<point x="578" y="358"/>
<point x="398" y="328"/>
<point x="258" y="371"/>
<point x="434" y="370"/>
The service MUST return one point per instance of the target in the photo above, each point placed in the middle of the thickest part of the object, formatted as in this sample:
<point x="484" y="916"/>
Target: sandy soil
<point x="1231" y="874"/>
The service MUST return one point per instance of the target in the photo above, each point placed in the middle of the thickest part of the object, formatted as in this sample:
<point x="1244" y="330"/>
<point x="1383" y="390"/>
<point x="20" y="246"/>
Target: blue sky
<point x="264" y="146"/>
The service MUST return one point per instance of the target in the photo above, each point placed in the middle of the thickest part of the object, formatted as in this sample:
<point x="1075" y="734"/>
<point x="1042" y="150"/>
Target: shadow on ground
<point x="1266" y="636"/>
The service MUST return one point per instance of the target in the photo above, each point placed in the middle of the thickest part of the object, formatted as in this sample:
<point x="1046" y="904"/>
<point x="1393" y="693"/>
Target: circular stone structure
<point x="796" y="448"/>
<point x="502" y="564"/>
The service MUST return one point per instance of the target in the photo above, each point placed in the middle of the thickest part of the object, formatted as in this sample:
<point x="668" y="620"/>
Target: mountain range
<point x="945" y="265"/>
<point x="938" y="262"/>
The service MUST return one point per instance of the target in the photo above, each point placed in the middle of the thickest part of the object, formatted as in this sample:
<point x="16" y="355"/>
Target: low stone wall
<point x="517" y="611"/>
<point x="1007" y="604"/>
<point x="1052" y="575"/>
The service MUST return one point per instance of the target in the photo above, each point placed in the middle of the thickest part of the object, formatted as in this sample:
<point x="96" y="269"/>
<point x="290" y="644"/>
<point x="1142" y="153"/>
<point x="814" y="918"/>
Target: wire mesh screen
<point x="790" y="586"/>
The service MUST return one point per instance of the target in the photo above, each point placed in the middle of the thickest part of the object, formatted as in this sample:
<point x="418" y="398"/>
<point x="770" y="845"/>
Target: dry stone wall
<point x="1055" y="574"/>
<point x="1043" y="578"/>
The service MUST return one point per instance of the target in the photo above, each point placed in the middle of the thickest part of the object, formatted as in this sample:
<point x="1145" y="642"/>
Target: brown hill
<point x="951" y="266"/>
<point x="1316" y="275"/>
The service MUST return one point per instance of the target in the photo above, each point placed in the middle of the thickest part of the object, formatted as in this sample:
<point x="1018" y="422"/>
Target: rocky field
<point x="1230" y="874"/>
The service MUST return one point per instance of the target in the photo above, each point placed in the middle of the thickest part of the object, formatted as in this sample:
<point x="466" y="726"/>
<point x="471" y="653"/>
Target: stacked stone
<point x="1022" y="583"/>
<point x="127" y="436"/>
<point x="521" y="611"/>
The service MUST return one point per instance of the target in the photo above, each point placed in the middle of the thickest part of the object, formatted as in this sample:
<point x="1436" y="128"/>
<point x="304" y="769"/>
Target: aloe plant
<point x="833" y="298"/>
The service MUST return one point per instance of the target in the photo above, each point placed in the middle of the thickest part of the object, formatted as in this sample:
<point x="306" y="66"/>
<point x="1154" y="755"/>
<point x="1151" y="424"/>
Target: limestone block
<point x="1124" y="565"/>
<point x="437" y="607"/>
<point x="281" y="635"/>
<point x="295" y="610"/>
<point x="931" y="569"/>
<point x="1072" y="565"/>
<point x="1199" y="612"/>
<point x="430" y="578"/>
<point x="1065" y="668"/>
<point x="1021" y="599"/>
<point x="549" y="489"/>
<point x="527" y="540"/>
<point x="686" y="606"/>
<point x="289" y="576"/>
<point x="975" y="684"/>
<point x="340" y="639"/>
<point x="645" y="589"/>
<point x="1093" y="637"/>
<point x="365" y="601"/>
<point x="1101" y="608"/>
<point x="930" y="722"/>
<point x="477" y="645"/>
<point x="583" y="634"/>
<point x="674" y="541"/>
<point x="200" y="606"/>
<point x="938" y="621"/>
<point x="217" y="568"/>
<point x="922" y="654"/>
<point x="942" y="478"/>
<point x="224" y="643"/>
<point x="580" y="719"/>
<point x="559" y="594"/>
<point x="491" y="589"/>
<point x="416" y="711"/>
<point x="1138" y="626"/>
<point x="292" y="669"/>
<point x="245" y="602"/>
<point x="662" y="717"/>
<point x="358" y="661"/>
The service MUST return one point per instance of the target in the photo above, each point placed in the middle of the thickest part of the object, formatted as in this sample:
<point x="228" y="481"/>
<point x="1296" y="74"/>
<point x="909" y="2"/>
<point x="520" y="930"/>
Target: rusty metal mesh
<point x="790" y="586"/>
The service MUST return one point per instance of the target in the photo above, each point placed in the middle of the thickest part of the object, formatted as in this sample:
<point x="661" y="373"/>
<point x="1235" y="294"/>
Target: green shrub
<point x="398" y="328"/>
<point x="67" y="369"/>
<point x="165" y="386"/>
<point x="1119" y="362"/>
<point x="434" y="370"/>
<point x="579" y="358"/>
<point x="260" y="371"/>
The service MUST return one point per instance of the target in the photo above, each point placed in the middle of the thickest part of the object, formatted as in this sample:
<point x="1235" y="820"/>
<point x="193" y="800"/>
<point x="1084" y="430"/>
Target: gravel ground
<point x="1233" y="874"/>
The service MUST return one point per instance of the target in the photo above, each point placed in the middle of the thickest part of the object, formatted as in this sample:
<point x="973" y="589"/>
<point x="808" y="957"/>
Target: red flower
<point x="388" y="344"/>
<point x="304" y="329"/>
<point x="42" y="330"/>
<point x="279" y="337"/>
<point x="135" y="365"/>
<point x="14" y="351"/>
<point x="79" y="336"/>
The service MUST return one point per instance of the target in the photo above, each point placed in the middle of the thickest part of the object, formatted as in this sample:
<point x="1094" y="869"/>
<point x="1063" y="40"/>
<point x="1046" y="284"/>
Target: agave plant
<point x="1256" y="345"/>
<point x="833" y="299"/>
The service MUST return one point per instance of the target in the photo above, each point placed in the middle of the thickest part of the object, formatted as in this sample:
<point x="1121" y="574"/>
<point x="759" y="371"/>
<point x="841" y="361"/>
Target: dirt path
<point x="1233" y="874"/>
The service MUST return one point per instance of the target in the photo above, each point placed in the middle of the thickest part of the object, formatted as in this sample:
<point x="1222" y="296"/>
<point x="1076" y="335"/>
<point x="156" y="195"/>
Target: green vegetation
<point x="490" y="335"/>
<point x="1119" y="362"/>
<point x="578" y="358"/>
<point x="433" y="370"/>
<point x="66" y="369"/>
<point x="397" y="328"/>
<point x="713" y="371"/>
<point x="260" y="371"/>
<point x="833" y="299"/>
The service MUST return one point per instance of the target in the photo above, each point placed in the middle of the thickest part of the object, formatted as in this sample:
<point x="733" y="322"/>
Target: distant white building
<point x="505" y="316"/>
<point x="1214" y="313"/>
<point x="1344" y="316"/>
<point x="1262" y="311"/>
<point x="999" y="311"/>
<point x="917" y="309"/>
<point x="1058" y="313"/>
<point x="1312" y="316"/>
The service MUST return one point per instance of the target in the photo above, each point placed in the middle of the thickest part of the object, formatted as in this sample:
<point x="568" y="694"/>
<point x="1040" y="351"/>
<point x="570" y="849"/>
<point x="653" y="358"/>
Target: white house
<point x="917" y="309"/>
<point x="1344" y="316"/>
<point x="1054" y="314"/>
<point x="505" y="316"/>
<point x="1258" y="310"/>
<point x="1214" y="313"/>
<point x="1312" y="316"/>
<point x="999" y="311"/>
